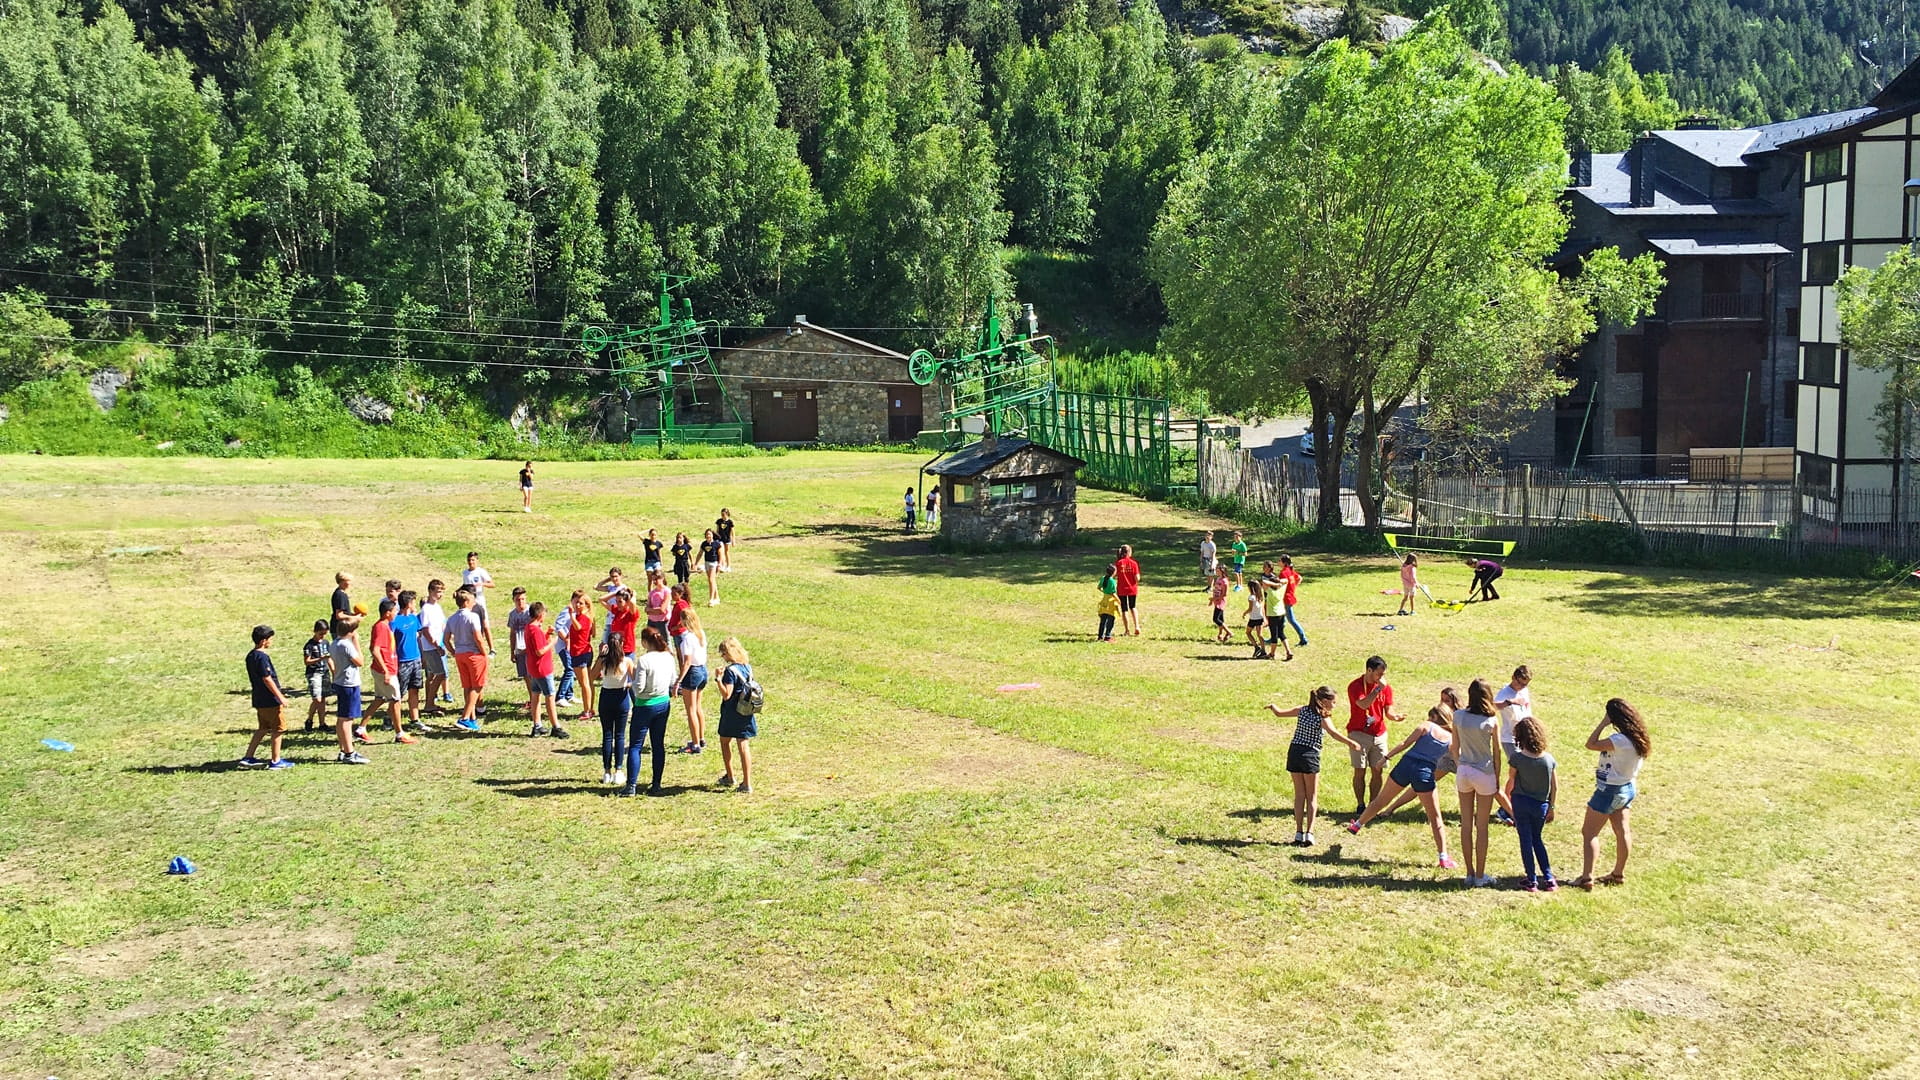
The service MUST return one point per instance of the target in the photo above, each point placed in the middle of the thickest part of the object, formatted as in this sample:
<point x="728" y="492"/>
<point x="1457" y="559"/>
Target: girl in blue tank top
<point x="1422" y="749"/>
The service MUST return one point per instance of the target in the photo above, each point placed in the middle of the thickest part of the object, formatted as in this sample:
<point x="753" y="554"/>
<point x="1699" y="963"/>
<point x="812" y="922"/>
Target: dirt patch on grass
<point x="418" y="1057"/>
<point x="262" y="950"/>
<point x="1656" y="993"/>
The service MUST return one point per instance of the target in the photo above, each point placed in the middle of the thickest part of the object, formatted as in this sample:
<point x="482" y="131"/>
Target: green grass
<point x="933" y="878"/>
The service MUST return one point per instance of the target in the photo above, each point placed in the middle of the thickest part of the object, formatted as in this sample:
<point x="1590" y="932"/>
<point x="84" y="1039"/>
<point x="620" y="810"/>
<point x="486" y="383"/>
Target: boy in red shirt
<point x="386" y="672"/>
<point x="1127" y="573"/>
<point x="539" y="657"/>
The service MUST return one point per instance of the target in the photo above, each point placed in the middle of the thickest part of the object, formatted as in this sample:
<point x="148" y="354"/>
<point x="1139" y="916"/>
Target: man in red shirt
<point x="386" y="674"/>
<point x="539" y="654"/>
<point x="1126" y="574"/>
<point x="1370" y="704"/>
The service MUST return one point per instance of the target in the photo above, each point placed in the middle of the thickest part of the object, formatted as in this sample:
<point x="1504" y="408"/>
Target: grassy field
<point x="931" y="878"/>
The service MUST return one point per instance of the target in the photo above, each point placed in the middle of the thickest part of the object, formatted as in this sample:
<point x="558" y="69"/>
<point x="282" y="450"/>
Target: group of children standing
<point x="1473" y="740"/>
<point x="1271" y="596"/>
<point x="639" y="671"/>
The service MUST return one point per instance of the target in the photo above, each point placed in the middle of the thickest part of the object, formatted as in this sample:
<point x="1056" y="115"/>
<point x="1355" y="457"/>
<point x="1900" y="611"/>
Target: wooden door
<point x="785" y="416"/>
<point x="904" y="419"/>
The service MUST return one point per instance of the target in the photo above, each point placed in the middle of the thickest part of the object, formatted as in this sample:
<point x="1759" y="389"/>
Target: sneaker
<point x="1359" y="809"/>
<point x="715" y="602"/>
<point x="1448" y="864"/>
<point x="310" y="725"/>
<point x="447" y="699"/>
<point x="744" y="789"/>
<point x="360" y="735"/>
<point x="1488" y="881"/>
<point x="560" y="732"/>
<point x="656" y="791"/>
<point x="619" y="778"/>
<point x="1532" y="886"/>
<point x="537" y="731"/>
<point x="353" y="759"/>
<point x="251" y="763"/>
<point x="405" y="739"/>
<point x="1471" y="882"/>
<point x="467" y="725"/>
<point x="1307" y="840"/>
<point x="606" y="779"/>
<point x="1549" y="885"/>
<point x="1353" y="826"/>
<point x="1302" y="645"/>
<point x="279" y="763"/>
<point x="627" y="792"/>
<point x="724" y="781"/>
<point x="1297" y="837"/>
<point x="419" y="728"/>
<point x="1500" y="817"/>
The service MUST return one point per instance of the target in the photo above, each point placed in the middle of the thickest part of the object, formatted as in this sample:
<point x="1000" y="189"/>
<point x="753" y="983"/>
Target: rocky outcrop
<point x="370" y="410"/>
<point x="105" y="388"/>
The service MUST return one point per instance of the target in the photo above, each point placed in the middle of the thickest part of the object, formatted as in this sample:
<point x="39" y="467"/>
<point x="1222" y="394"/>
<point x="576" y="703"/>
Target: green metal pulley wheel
<point x="922" y="366"/>
<point x="594" y="339"/>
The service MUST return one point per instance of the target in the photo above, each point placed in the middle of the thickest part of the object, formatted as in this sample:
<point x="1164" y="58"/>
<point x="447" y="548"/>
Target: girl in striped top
<point x="1312" y="722"/>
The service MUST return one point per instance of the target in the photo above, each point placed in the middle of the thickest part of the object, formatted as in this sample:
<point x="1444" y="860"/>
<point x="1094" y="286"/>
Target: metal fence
<point x="1128" y="443"/>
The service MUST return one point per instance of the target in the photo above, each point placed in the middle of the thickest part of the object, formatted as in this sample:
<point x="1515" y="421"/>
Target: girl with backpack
<point x="737" y="721"/>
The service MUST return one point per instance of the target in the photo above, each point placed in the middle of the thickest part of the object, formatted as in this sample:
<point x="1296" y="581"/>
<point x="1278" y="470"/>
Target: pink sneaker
<point x="1448" y="864"/>
<point x="1354" y="826"/>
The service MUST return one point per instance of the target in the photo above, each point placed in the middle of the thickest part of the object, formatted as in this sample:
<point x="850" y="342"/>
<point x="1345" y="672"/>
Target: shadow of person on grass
<point x="534" y="787"/>
<point x="171" y="770"/>
<point x="1377" y="881"/>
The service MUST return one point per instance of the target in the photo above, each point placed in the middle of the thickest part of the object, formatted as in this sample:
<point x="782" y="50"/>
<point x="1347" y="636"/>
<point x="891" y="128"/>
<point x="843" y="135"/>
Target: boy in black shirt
<point x="314" y="652"/>
<point x="267" y="703"/>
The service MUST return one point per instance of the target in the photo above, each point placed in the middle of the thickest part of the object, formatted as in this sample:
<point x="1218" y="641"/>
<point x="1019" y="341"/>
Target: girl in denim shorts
<point x="1622" y="751"/>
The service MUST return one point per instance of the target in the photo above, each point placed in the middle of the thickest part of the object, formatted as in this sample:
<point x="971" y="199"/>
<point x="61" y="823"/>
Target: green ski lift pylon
<point x="999" y="381"/>
<point x="646" y="360"/>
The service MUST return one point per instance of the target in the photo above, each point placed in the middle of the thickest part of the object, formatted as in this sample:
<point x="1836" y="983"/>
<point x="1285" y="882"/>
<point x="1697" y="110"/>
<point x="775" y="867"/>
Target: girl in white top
<point x="1476" y="775"/>
<point x="1621" y="753"/>
<point x="693" y="681"/>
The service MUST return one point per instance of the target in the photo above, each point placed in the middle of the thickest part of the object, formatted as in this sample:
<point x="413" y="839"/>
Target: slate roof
<point x="1716" y="244"/>
<point x="1612" y="191"/>
<point x="974" y="459"/>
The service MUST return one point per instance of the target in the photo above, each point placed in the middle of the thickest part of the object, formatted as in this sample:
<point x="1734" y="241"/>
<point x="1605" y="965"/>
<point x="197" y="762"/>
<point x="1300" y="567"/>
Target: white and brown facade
<point x="1856" y="212"/>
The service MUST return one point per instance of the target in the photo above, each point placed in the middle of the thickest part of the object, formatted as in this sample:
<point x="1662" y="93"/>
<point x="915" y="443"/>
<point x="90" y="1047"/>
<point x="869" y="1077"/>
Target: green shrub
<point x="34" y="343"/>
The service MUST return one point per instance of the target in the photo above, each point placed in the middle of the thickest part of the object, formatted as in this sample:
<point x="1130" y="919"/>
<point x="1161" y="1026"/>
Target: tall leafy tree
<point x="1880" y="326"/>
<point x="1378" y="222"/>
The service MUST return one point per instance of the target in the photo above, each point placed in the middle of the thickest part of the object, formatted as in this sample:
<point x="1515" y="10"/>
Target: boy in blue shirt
<point x="406" y="647"/>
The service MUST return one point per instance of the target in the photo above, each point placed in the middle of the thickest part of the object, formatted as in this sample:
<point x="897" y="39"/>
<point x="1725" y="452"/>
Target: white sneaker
<point x="1309" y="840"/>
<point x="715" y="602"/>
<point x="527" y="509"/>
<point x="1488" y="881"/>
<point x="606" y="779"/>
<point x="619" y="778"/>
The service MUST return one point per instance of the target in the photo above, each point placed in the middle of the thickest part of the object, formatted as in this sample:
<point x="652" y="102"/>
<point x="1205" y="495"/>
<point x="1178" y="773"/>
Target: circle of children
<point x="651" y="648"/>
<point x="1492" y="733"/>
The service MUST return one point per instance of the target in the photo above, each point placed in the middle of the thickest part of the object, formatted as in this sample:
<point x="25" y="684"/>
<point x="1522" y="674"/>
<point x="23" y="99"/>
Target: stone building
<point x="1007" y="492"/>
<point x="805" y="383"/>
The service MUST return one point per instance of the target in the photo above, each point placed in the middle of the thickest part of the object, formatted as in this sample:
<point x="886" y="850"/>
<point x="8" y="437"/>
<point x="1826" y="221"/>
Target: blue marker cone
<point x="57" y="744"/>
<point x="179" y="865"/>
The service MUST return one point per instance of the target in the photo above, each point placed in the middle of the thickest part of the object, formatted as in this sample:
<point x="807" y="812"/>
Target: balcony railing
<point x="1711" y="306"/>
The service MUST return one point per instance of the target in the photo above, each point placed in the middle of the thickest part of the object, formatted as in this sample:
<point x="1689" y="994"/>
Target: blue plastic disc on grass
<point x="179" y="865"/>
<point x="57" y="744"/>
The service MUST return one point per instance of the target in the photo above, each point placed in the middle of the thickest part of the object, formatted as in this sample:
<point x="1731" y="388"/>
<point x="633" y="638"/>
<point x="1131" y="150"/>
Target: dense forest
<point x="1748" y="61"/>
<point x="308" y="200"/>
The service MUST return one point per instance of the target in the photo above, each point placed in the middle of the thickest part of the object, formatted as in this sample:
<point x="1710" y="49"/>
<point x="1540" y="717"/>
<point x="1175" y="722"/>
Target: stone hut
<point x="805" y="383"/>
<point x="1000" y="492"/>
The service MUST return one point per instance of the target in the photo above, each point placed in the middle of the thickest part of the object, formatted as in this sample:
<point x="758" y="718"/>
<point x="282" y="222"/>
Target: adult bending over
<point x="1621" y="752"/>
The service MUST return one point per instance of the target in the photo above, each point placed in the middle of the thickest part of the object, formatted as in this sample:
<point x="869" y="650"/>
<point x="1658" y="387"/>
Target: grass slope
<point x="931" y="878"/>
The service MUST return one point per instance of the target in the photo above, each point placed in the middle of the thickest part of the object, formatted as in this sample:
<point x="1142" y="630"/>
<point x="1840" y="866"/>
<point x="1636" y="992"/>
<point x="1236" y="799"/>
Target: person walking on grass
<point x="268" y="704"/>
<point x="712" y="551"/>
<point x="616" y="711"/>
<point x="1257" y="622"/>
<point x="467" y="640"/>
<point x="693" y="681"/>
<point x="737" y="728"/>
<point x="477" y="581"/>
<point x="315" y="652"/>
<point x="386" y="673"/>
<point x="1209" y="559"/>
<point x="911" y="504"/>
<point x="1622" y="751"/>
<point x="1127" y="575"/>
<point x="412" y="676"/>
<point x="1476" y="778"/>
<point x="526" y="488"/>
<point x="1410" y="585"/>
<point x="654" y="678"/>
<point x="1290" y="585"/>
<point x="1239" y="558"/>
<point x="1109" y="605"/>
<point x="933" y="509"/>
<point x="1532" y="788"/>
<point x="541" y="644"/>
<point x="433" y="645"/>
<point x="1485" y="573"/>
<point x="1217" y="599"/>
<point x="650" y="549"/>
<point x="579" y="645"/>
<point x="723" y="532"/>
<point x="1424" y="747"/>
<point x="682" y="558"/>
<point x="1270" y="610"/>
<point x="347" y="663"/>
<point x="1370" y="706"/>
<point x="1313" y="722"/>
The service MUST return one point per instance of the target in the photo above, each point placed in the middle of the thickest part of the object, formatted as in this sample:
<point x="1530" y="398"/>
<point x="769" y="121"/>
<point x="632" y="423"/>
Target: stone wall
<point x="1009" y="524"/>
<point x="848" y="377"/>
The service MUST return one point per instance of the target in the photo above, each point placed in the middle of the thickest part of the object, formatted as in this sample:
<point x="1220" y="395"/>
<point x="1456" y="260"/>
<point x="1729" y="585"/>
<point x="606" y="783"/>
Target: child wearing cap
<point x="267" y="703"/>
<point x="314" y="652"/>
